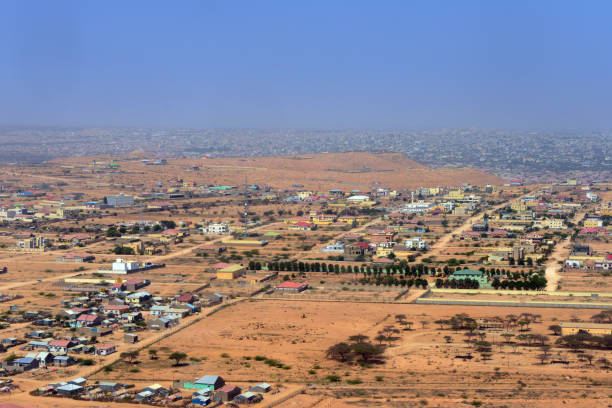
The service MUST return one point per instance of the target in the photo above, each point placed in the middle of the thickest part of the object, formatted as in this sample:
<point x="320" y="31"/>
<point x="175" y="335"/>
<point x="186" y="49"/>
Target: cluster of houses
<point x="206" y="390"/>
<point x="90" y="318"/>
<point x="318" y="218"/>
<point x="212" y="388"/>
<point x="583" y="257"/>
<point x="379" y="243"/>
<point x="80" y="389"/>
<point x="45" y="209"/>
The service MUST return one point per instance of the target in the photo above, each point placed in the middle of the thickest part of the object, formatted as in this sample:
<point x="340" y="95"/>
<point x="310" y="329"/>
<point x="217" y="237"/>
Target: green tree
<point x="366" y="351"/>
<point x="339" y="352"/>
<point x="177" y="356"/>
<point x="130" y="356"/>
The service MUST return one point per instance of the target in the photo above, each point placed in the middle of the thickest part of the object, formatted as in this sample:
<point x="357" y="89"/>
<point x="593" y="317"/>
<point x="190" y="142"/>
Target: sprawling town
<point x="142" y="280"/>
<point x="315" y="204"/>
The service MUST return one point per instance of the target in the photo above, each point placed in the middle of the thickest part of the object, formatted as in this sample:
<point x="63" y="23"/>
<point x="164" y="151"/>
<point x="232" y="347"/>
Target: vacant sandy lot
<point x="418" y="365"/>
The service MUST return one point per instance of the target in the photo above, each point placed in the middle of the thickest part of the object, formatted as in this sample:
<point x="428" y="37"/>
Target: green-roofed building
<point x="472" y="274"/>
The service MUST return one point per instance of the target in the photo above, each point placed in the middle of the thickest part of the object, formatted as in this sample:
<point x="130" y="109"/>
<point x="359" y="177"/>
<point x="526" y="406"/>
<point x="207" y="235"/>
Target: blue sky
<point x="307" y="64"/>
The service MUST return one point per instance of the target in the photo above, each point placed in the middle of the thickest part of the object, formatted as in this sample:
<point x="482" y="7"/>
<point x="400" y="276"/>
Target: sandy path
<point x="316" y="250"/>
<point x="561" y="251"/>
<point x="441" y="244"/>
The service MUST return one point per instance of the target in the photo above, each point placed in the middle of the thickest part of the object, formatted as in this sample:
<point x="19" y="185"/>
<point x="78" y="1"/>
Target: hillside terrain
<point x="346" y="171"/>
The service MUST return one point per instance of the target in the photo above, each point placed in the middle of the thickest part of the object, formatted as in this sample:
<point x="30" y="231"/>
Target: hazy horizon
<point x="318" y="66"/>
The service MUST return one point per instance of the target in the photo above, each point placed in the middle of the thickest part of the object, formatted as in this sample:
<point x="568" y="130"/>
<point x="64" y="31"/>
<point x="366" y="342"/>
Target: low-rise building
<point x="230" y="272"/>
<point x="289" y="286"/>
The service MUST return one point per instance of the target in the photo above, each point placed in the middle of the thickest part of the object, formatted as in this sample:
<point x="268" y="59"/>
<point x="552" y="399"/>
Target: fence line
<point x="567" y="305"/>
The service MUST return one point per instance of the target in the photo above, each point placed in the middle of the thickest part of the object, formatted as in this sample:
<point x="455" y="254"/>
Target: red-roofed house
<point x="105" y="349"/>
<point x="294" y="287"/>
<point x="186" y="298"/>
<point x="363" y="245"/>
<point x="593" y="231"/>
<point x="88" y="320"/>
<point x="61" y="346"/>
<point x="228" y="392"/>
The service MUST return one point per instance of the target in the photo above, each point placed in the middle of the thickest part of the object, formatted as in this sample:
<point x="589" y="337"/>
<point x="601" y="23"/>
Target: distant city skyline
<point x="313" y="65"/>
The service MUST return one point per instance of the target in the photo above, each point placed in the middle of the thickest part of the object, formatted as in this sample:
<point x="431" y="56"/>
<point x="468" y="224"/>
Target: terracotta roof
<point x="362" y="244"/>
<point x="185" y="298"/>
<point x="221" y="265"/>
<point x="59" y="343"/>
<point x="104" y="346"/>
<point x="116" y="307"/>
<point x="291" y="285"/>
<point x="87" y="318"/>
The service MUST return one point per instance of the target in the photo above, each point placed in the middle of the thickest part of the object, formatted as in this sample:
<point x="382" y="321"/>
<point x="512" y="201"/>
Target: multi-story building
<point x="216" y="229"/>
<point x="120" y="200"/>
<point x="415" y="243"/>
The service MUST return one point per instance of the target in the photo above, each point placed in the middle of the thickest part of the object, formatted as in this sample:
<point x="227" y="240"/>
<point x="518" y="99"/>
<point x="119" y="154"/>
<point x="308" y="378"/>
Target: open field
<point x="323" y="171"/>
<point x="298" y="333"/>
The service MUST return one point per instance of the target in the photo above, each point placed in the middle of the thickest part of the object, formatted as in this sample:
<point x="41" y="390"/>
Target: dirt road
<point x="445" y="239"/>
<point x="560" y="253"/>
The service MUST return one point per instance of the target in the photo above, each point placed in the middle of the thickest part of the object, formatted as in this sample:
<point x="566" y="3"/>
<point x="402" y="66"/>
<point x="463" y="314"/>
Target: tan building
<point x="595" y="329"/>
<point x="230" y="272"/>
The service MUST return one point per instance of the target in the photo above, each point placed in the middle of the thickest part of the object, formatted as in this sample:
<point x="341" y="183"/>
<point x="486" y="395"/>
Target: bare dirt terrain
<point x="419" y="365"/>
<point x="321" y="172"/>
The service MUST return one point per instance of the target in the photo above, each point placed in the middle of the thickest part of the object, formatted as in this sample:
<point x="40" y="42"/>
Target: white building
<point x="358" y="199"/>
<point x="215" y="229"/>
<point x="418" y="207"/>
<point x="415" y="243"/>
<point x="592" y="196"/>
<point x="120" y="266"/>
<point x="337" y="247"/>
<point x="120" y="200"/>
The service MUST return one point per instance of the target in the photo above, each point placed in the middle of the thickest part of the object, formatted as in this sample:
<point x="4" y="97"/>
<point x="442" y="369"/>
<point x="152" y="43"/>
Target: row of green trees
<point x="393" y="281"/>
<point x="534" y="282"/>
<point x="401" y="268"/>
<point x="117" y="232"/>
<point x="457" y="283"/>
